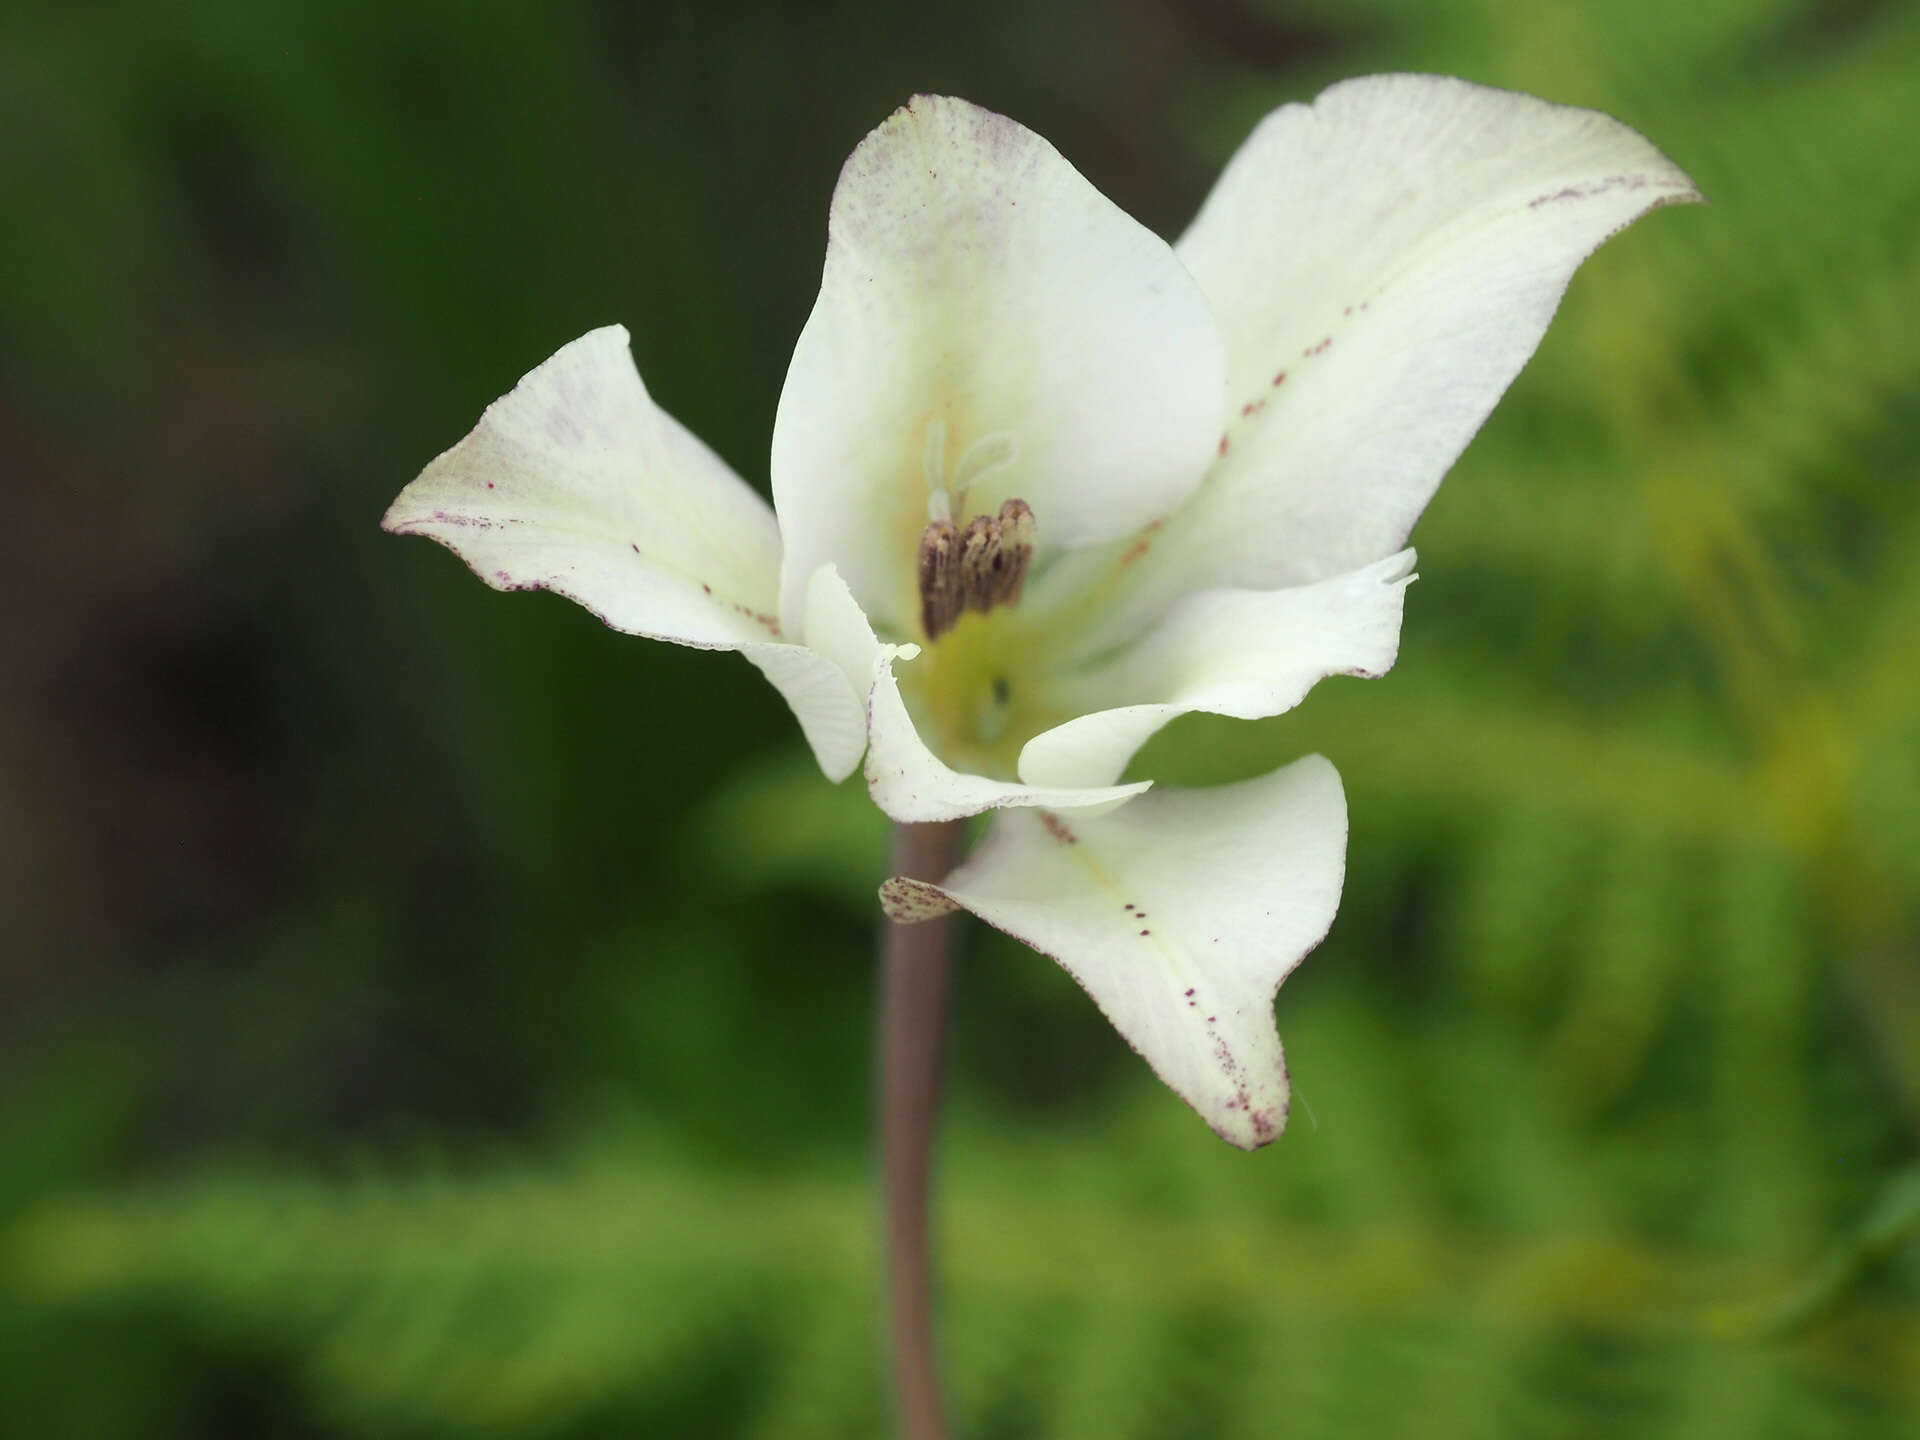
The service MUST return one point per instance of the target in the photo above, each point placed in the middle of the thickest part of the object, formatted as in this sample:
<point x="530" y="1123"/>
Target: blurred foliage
<point x="427" y="1014"/>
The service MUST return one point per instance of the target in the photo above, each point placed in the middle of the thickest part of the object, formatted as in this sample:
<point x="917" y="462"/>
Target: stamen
<point x="981" y="562"/>
<point x="941" y="597"/>
<point x="933" y="469"/>
<point x="985" y="455"/>
<point x="977" y="569"/>
<point x="1016" y="541"/>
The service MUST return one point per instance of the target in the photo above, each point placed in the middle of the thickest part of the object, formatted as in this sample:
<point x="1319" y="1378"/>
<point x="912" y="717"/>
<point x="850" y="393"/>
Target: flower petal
<point x="816" y="690"/>
<point x="1180" y="914"/>
<point x="1245" y="653"/>
<point x="907" y="780"/>
<point x="1382" y="263"/>
<point x="984" y="311"/>
<point x="577" y="482"/>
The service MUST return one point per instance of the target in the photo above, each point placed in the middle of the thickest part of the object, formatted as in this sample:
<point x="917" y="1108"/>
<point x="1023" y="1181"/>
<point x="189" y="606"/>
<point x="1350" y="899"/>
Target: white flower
<point x="1221" y="447"/>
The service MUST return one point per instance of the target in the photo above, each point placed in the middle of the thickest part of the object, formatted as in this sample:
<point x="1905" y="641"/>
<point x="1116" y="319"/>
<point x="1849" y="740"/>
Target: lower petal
<point x="1245" y="653"/>
<point x="1179" y="913"/>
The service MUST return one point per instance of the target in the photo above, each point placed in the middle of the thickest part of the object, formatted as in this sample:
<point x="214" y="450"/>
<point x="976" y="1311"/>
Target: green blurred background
<point x="427" y="1014"/>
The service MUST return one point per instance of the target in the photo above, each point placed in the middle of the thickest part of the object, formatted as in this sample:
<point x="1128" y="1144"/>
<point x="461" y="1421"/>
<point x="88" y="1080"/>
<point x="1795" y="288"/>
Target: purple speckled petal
<point x="1180" y="913"/>
<point x="1382" y="263"/>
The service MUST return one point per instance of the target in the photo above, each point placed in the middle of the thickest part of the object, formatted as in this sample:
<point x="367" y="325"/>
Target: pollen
<point x="979" y="568"/>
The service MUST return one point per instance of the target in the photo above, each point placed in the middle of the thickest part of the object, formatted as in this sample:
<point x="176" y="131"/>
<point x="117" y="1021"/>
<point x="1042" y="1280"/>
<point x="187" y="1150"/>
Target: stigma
<point x="977" y="568"/>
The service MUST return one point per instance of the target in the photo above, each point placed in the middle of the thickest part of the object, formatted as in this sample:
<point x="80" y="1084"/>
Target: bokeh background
<point x="424" y="1013"/>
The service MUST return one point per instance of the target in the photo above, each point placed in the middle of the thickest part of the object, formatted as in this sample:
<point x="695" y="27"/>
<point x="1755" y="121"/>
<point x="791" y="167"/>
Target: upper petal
<point x="577" y="482"/>
<point x="1381" y="263"/>
<point x="983" y="303"/>
<point x="1180" y="914"/>
<point x="1245" y="653"/>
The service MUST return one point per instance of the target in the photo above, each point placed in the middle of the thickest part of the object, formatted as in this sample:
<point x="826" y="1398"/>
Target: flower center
<point x="982" y="692"/>
<point x="978" y="568"/>
<point x="976" y="694"/>
<point x="983" y="565"/>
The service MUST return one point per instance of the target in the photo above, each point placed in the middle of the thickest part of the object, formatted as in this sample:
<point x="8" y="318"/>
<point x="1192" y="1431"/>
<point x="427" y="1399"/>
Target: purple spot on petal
<point x="1057" y="828"/>
<point x="1590" y="189"/>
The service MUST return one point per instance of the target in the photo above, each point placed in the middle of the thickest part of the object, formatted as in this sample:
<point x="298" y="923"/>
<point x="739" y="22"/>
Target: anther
<point x="981" y="563"/>
<point x="1016" y="545"/>
<point x="941" y="597"/>
<point x="977" y="569"/>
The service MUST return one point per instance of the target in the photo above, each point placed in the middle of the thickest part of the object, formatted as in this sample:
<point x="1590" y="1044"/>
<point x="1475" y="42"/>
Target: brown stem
<point x="913" y="1002"/>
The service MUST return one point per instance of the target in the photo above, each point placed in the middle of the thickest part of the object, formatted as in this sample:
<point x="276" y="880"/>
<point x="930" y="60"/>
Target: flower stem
<point x="913" y="1001"/>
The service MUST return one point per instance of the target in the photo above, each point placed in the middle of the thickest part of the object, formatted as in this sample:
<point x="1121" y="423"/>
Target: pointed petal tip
<point x="1248" y="1130"/>
<point x="1251" y="1123"/>
<point x="409" y="512"/>
<point x="1251" y="1113"/>
<point x="921" y="108"/>
<point x="908" y="902"/>
<point x="1361" y="91"/>
<point x="1689" y="194"/>
<point x="925" y="102"/>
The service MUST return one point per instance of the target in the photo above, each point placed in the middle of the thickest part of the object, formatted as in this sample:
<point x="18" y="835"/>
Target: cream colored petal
<point x="1179" y="913"/>
<point x="1382" y="264"/>
<point x="576" y="482"/>
<point x="984" y="314"/>
<point x="1245" y="653"/>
